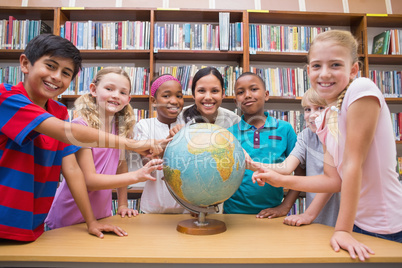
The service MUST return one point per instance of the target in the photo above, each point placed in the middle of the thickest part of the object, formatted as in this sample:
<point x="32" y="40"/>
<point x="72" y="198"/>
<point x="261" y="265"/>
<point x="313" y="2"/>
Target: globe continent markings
<point x="223" y="156"/>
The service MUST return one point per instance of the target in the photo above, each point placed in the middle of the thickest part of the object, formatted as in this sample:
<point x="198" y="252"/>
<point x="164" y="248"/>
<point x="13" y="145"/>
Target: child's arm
<point x="361" y="124"/>
<point x="282" y="209"/>
<point x="76" y="183"/>
<point x="285" y="168"/>
<point x="329" y="182"/>
<point x="89" y="137"/>
<point x="95" y="181"/>
<point x="122" y="201"/>
<point x="311" y="212"/>
<point x="173" y="131"/>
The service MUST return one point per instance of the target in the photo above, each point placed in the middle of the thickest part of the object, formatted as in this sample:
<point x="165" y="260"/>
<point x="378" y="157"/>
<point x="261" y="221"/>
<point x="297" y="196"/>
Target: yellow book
<point x="295" y="39"/>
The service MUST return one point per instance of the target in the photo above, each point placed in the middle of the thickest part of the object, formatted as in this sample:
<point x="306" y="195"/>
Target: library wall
<point x="348" y="6"/>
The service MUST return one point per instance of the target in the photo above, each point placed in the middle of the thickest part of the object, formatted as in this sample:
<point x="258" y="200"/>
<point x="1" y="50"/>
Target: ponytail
<point x="334" y="113"/>
<point x="192" y="113"/>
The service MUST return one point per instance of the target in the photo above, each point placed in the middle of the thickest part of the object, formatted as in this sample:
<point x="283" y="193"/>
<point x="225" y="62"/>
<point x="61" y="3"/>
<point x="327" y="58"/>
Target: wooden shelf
<point x="306" y="18"/>
<point x="74" y="97"/>
<point x="105" y="54"/>
<point x="192" y="15"/>
<point x="32" y="13"/>
<point x="385" y="59"/>
<point x="199" y="55"/>
<point x="389" y="21"/>
<point x="10" y="54"/>
<point x="296" y="57"/>
<point x="106" y="14"/>
<point x="358" y="23"/>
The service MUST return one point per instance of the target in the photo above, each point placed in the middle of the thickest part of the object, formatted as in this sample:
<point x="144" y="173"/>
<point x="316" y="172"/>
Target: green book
<point x="381" y="43"/>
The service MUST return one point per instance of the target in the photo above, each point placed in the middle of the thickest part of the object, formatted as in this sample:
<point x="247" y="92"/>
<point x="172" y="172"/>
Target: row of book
<point x="299" y="207"/>
<point x="397" y="125"/>
<point x="388" y="42"/>
<point x="11" y="75"/>
<point x="185" y="74"/>
<point x="294" y="117"/>
<point x="132" y="204"/>
<point x="279" y="38"/>
<point x="284" y="82"/>
<point x="399" y="167"/>
<point x="139" y="80"/>
<point x="198" y="36"/>
<point x="15" y="34"/>
<point x="118" y="35"/>
<point x="389" y="82"/>
<point x="138" y="113"/>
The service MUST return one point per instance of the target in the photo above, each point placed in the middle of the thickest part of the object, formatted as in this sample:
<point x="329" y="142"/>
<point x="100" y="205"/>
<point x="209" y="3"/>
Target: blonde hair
<point x="348" y="41"/>
<point x="312" y="96"/>
<point x="87" y="107"/>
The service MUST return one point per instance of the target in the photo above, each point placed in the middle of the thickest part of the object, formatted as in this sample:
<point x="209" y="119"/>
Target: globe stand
<point x="199" y="226"/>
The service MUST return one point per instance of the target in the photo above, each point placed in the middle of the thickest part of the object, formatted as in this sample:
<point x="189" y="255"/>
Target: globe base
<point x="209" y="227"/>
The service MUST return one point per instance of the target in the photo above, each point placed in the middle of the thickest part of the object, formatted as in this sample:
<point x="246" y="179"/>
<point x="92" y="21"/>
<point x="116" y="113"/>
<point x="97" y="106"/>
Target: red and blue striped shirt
<point x="30" y="163"/>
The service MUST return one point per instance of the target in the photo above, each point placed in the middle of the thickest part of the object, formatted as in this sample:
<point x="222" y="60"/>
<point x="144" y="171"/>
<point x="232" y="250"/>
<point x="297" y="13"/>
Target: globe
<point x="204" y="165"/>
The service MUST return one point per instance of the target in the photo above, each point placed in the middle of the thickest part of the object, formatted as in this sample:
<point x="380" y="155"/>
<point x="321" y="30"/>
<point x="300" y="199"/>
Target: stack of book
<point x="139" y="80"/>
<point x="284" y="82"/>
<point x="186" y="73"/>
<point x="295" y="118"/>
<point x="389" y="82"/>
<point x="121" y="35"/>
<point x="279" y="38"/>
<point x="11" y="75"/>
<point x="15" y="34"/>
<point x="387" y="42"/>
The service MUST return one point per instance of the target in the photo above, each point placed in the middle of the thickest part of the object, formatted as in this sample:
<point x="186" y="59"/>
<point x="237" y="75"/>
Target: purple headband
<point x="159" y="81"/>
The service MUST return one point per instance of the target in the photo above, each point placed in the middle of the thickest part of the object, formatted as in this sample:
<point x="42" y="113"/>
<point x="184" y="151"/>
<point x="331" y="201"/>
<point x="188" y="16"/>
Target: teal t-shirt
<point x="272" y="143"/>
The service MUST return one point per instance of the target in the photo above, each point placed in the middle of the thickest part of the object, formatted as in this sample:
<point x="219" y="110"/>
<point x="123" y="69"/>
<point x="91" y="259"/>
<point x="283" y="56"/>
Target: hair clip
<point x="335" y="109"/>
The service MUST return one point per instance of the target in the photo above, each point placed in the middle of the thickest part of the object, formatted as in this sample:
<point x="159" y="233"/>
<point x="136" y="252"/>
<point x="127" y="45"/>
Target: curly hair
<point x="87" y="107"/>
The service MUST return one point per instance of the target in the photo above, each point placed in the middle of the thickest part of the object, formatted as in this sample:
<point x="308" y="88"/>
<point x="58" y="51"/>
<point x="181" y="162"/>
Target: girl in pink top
<point x="107" y="108"/>
<point x="359" y="147"/>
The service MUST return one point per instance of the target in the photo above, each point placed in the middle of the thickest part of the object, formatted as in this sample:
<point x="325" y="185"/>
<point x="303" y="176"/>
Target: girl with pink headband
<point x="167" y="98"/>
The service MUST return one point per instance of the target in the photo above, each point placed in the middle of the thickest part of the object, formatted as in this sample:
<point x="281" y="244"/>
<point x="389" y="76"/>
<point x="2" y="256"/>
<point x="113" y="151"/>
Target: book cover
<point x="9" y="43"/>
<point x="381" y="43"/>
<point x="67" y="32"/>
<point x="44" y="28"/>
<point x="224" y="19"/>
<point x="187" y="28"/>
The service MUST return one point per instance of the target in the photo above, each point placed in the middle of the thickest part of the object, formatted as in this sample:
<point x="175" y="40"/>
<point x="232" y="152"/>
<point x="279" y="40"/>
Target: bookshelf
<point x="363" y="26"/>
<point x="376" y="25"/>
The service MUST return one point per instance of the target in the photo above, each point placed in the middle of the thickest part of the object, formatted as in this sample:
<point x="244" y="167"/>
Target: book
<point x="44" y="28"/>
<point x="381" y="43"/>
<point x="224" y="18"/>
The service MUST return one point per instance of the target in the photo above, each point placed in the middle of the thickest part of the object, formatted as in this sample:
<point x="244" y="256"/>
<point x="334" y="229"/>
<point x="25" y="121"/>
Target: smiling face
<point x="208" y="96"/>
<point x="47" y="78"/>
<point x="311" y="112"/>
<point x="112" y="93"/>
<point x="251" y="96"/>
<point x="330" y="69"/>
<point x="169" y="101"/>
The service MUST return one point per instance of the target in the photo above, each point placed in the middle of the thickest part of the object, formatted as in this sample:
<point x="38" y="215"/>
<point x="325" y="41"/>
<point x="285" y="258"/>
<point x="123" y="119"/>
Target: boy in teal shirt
<point x="266" y="140"/>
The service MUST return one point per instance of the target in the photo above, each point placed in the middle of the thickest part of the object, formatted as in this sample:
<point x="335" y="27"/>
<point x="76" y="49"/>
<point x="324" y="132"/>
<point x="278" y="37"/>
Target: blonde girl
<point x="359" y="147"/>
<point x="107" y="108"/>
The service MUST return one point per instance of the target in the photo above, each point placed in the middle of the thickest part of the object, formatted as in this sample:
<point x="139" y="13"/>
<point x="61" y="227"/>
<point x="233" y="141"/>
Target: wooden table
<point x="153" y="242"/>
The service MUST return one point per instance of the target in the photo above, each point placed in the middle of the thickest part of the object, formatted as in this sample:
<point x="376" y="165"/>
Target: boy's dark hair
<point x="253" y="74"/>
<point x="192" y="112"/>
<point x="53" y="45"/>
